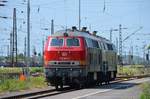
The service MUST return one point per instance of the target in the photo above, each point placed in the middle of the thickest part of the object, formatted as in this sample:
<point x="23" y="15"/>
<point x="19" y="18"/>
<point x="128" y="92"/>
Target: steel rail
<point x="52" y="92"/>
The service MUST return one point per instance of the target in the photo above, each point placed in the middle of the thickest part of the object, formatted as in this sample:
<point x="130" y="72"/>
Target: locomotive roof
<point x="80" y="33"/>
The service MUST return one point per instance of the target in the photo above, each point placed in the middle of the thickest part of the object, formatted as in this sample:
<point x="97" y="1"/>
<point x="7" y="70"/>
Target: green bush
<point x="19" y="70"/>
<point x="38" y="82"/>
<point x="36" y="69"/>
<point x="10" y="70"/>
<point x="146" y="91"/>
<point x="132" y="70"/>
<point x="13" y="85"/>
<point x="16" y="85"/>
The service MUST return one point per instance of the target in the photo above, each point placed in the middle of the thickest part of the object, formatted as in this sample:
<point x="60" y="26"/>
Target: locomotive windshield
<point x="72" y="42"/>
<point x="56" y="42"/>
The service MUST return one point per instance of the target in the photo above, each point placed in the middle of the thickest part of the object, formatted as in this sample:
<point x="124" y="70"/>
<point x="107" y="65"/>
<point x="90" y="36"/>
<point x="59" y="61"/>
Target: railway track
<point x="52" y="92"/>
<point x="39" y="94"/>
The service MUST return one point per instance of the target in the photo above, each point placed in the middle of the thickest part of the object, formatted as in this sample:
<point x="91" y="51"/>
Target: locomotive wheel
<point x="87" y="85"/>
<point x="48" y="84"/>
<point x="56" y="86"/>
<point x="106" y="82"/>
<point x="61" y="86"/>
<point x="77" y="84"/>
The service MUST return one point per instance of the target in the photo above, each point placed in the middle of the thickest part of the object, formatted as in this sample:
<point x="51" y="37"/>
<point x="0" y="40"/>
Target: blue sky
<point x="132" y="14"/>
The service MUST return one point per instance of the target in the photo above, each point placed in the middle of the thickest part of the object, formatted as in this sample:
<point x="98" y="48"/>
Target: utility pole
<point x="132" y="55"/>
<point x="144" y="54"/>
<point x="14" y="39"/>
<point x="25" y="49"/>
<point x="111" y="35"/>
<point x="120" y="45"/>
<point x="43" y="51"/>
<point x="79" y="14"/>
<point x="148" y="56"/>
<point x="1" y="51"/>
<point x="52" y="26"/>
<point x="28" y="37"/>
<point x="111" y="30"/>
<point x="11" y="49"/>
<point x="129" y="57"/>
<point x="117" y="44"/>
<point x="8" y="51"/>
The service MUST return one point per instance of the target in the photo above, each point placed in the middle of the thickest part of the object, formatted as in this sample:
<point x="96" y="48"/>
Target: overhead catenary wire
<point x="132" y="34"/>
<point x="59" y="4"/>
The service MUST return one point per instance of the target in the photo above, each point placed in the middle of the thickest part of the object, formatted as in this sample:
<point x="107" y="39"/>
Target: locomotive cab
<point x="65" y="50"/>
<point x="64" y="59"/>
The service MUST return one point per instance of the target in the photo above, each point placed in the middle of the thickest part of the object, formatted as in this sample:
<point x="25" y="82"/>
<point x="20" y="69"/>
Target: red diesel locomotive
<point x="78" y="58"/>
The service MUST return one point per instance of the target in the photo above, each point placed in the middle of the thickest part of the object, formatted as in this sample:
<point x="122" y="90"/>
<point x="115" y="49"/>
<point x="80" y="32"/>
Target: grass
<point x="19" y="69"/>
<point x="13" y="73"/>
<point x="13" y="85"/>
<point x="36" y="69"/>
<point x="133" y="70"/>
<point x="146" y="91"/>
<point x="9" y="79"/>
<point x="10" y="70"/>
<point x="37" y="82"/>
<point x="17" y="85"/>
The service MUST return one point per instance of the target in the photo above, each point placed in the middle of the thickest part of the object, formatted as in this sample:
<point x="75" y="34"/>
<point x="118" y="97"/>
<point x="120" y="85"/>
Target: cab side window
<point x="109" y="46"/>
<point x="95" y="44"/>
<point x="72" y="42"/>
<point x="100" y="45"/>
<point x="89" y="42"/>
<point x="104" y="47"/>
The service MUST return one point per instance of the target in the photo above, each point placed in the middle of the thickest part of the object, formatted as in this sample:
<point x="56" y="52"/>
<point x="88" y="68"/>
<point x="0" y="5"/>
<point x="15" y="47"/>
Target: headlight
<point x="82" y="62"/>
